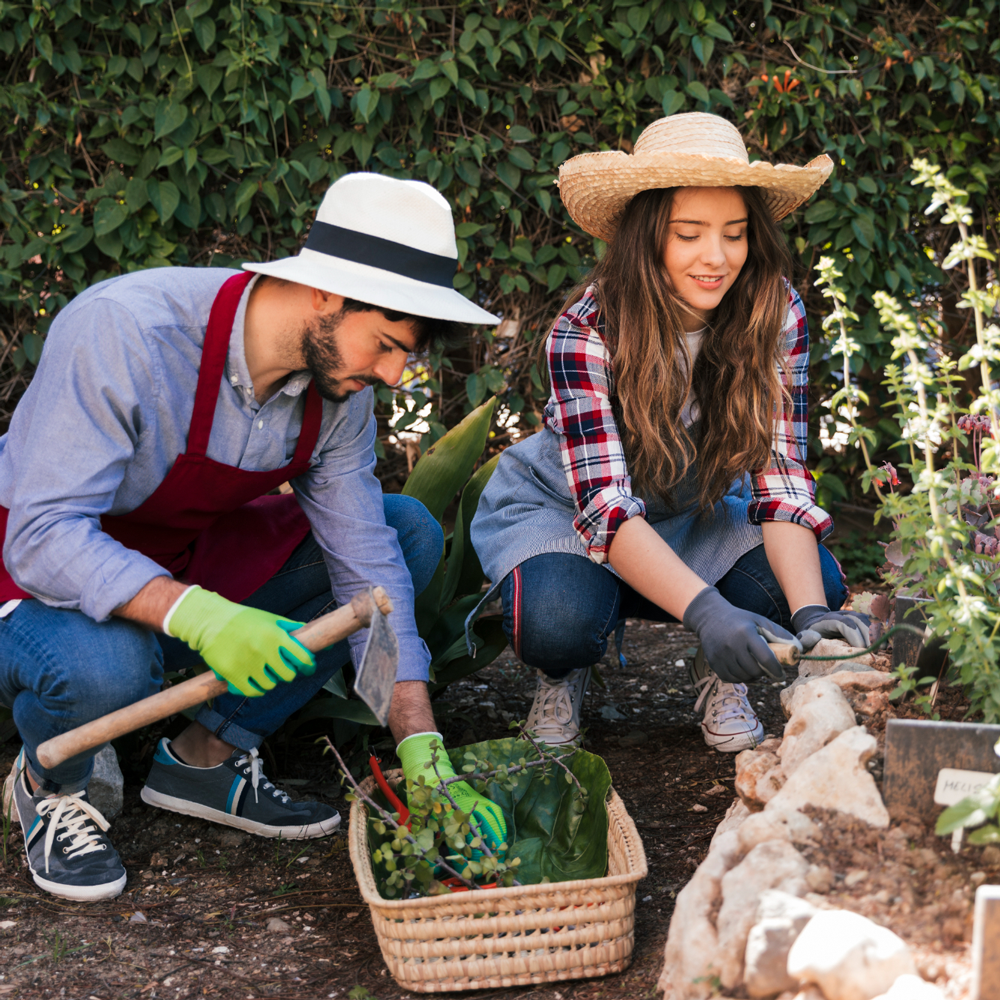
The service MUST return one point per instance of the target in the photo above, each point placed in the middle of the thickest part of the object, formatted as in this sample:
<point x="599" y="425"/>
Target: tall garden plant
<point x="946" y="529"/>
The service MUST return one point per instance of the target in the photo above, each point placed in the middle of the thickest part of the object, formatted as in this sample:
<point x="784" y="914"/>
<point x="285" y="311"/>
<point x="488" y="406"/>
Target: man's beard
<point x="324" y="361"/>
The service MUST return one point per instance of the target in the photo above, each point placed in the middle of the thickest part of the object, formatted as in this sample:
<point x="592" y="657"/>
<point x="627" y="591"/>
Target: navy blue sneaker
<point x="235" y="793"/>
<point x="64" y="839"/>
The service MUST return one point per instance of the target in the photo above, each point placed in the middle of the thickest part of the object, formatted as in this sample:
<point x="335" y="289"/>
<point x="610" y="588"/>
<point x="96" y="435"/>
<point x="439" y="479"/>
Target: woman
<point x="668" y="480"/>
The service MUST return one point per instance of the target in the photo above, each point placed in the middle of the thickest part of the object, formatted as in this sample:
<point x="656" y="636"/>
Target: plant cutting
<point x="553" y="803"/>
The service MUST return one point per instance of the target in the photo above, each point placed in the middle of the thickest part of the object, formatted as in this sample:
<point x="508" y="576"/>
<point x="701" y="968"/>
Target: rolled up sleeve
<point x="784" y="490"/>
<point x="579" y="411"/>
<point x="343" y="500"/>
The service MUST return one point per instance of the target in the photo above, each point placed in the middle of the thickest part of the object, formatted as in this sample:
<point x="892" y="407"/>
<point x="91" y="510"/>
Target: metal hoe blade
<point x="377" y="674"/>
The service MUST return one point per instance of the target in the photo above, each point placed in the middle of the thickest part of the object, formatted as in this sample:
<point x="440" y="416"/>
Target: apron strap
<point x="312" y="418"/>
<point x="213" y="361"/>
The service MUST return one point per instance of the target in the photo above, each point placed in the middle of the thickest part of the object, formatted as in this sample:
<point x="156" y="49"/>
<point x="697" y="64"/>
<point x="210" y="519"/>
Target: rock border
<point x="753" y="917"/>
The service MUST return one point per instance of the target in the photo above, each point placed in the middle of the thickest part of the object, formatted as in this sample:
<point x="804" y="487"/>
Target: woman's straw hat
<point x="688" y="150"/>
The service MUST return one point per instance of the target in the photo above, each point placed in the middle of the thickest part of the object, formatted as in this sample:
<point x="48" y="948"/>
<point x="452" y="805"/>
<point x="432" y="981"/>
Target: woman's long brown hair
<point x="735" y="377"/>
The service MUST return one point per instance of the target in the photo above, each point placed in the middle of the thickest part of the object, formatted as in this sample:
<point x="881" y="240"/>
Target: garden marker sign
<point x="932" y="764"/>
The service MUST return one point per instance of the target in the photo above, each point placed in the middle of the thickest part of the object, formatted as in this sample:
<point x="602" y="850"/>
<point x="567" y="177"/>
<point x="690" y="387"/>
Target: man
<point x="139" y="533"/>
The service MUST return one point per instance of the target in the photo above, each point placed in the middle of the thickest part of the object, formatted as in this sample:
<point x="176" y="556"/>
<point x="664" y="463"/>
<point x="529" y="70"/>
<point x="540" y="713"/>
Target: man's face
<point x="345" y="351"/>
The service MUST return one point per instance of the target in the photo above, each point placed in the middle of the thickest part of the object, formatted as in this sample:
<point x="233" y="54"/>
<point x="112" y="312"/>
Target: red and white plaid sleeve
<point x="784" y="490"/>
<point x="579" y="411"/>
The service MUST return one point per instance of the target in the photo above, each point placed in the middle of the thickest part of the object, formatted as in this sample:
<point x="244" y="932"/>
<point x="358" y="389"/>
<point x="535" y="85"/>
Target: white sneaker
<point x="729" y="723"/>
<point x="555" y="713"/>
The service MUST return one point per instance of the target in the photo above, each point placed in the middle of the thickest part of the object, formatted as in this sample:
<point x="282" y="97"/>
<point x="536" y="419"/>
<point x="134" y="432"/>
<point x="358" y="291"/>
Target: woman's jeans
<point x="60" y="668"/>
<point x="559" y="609"/>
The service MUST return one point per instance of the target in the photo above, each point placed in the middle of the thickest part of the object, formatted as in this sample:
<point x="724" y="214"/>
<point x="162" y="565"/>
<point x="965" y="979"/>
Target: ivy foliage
<point x="158" y="133"/>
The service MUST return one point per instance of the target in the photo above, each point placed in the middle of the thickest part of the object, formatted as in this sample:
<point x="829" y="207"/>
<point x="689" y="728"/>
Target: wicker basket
<point x="520" y="936"/>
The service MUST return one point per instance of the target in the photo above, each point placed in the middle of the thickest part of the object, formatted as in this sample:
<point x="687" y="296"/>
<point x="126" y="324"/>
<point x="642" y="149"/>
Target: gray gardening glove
<point x="735" y="641"/>
<point x="816" y="621"/>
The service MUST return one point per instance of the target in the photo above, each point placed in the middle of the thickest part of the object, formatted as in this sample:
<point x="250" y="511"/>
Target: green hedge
<point x="149" y="133"/>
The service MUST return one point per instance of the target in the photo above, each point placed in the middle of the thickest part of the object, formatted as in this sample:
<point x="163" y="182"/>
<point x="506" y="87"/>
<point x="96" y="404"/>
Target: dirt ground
<point x="212" y="912"/>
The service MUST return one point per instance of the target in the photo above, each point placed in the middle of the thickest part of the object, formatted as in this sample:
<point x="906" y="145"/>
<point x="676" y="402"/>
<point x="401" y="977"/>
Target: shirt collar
<point x="237" y="372"/>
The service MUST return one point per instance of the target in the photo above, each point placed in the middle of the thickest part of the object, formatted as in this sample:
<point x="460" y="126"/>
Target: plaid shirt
<point x="579" y="410"/>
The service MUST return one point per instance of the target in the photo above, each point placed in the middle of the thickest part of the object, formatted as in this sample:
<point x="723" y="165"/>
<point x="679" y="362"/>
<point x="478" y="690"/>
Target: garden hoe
<point x="375" y="681"/>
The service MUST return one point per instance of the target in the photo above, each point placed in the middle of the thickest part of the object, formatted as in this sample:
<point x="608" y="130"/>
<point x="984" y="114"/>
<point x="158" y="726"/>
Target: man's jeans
<point x="559" y="609"/>
<point x="60" y="669"/>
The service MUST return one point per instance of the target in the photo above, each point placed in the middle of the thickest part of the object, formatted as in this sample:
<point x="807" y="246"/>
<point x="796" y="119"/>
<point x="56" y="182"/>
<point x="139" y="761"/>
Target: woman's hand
<point x="816" y="621"/>
<point x="735" y="641"/>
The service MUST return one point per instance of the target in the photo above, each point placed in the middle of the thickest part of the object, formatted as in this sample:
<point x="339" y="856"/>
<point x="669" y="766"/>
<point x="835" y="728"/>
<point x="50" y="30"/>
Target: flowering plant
<point x="946" y="534"/>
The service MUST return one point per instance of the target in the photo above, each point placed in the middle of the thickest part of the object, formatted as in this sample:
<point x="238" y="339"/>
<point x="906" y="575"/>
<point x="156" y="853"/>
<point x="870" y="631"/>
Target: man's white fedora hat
<point x="686" y="150"/>
<point x="387" y="242"/>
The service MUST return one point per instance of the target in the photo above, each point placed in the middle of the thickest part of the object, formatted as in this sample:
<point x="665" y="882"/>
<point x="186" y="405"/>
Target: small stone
<point x="835" y="778"/>
<point x="759" y="777"/>
<point x="232" y="838"/>
<point x="854" y="877"/>
<point x="699" y="808"/>
<point x="780" y="919"/>
<point x="820" y="879"/>
<point x="771" y="865"/>
<point x="848" y="956"/>
<point x="820" y="713"/>
<point x="977" y="879"/>
<point x="277" y="926"/>
<point x="7" y="925"/>
<point x="833" y="647"/>
<point x="220" y="950"/>
<point x="912" y="988"/>
<point x="991" y="856"/>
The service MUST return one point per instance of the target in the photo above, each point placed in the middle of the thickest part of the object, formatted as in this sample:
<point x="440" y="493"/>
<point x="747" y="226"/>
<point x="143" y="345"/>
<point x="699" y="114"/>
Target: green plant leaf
<point x="108" y="216"/>
<point x="464" y="574"/>
<point x="445" y="467"/>
<point x="169" y="116"/>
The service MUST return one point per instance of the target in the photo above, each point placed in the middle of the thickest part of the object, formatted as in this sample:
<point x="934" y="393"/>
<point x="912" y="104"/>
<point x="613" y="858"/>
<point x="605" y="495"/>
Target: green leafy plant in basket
<point x="553" y="803"/>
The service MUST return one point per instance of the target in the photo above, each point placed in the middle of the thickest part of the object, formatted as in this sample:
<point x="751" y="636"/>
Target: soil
<point x="210" y="911"/>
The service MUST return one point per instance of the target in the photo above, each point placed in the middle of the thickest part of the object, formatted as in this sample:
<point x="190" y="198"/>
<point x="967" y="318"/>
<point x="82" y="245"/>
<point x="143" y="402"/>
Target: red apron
<point x="210" y="523"/>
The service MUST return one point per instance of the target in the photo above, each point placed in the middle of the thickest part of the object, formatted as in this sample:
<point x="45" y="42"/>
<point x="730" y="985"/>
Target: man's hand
<point x="735" y="641"/>
<point x="250" y="649"/>
<point x="816" y="621"/>
<point x="416" y="753"/>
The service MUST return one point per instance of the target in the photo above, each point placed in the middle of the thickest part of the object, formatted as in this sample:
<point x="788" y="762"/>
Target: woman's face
<point x="706" y="246"/>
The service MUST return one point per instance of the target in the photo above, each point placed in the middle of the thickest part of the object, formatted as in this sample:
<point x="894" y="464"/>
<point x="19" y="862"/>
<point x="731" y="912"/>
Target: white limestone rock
<point x="735" y="816"/>
<point x="848" y="956"/>
<point x="759" y="775"/>
<point x="780" y="919"/>
<point x="835" y="778"/>
<point x="820" y="713"/>
<point x="852" y="678"/>
<point x="912" y="988"/>
<point x="771" y="865"/>
<point x="690" y="956"/>
<point x="777" y="824"/>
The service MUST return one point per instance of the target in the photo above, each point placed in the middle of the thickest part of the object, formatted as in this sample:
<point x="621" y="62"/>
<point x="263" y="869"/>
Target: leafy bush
<point x="166" y="133"/>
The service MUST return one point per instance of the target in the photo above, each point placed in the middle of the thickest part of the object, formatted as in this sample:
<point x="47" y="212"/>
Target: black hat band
<point x="362" y="248"/>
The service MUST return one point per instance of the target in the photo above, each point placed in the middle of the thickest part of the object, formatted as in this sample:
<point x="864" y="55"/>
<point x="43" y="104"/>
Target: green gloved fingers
<point x="249" y="649"/>
<point x="416" y="752"/>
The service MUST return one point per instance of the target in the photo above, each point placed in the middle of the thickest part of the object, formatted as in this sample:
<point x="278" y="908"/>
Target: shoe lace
<point x="725" y="701"/>
<point x="72" y="814"/>
<point x="253" y="758"/>
<point x="553" y="703"/>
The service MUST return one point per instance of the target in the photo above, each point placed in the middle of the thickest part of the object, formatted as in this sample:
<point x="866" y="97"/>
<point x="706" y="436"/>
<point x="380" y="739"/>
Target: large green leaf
<point x="444" y="468"/>
<point x="464" y="574"/>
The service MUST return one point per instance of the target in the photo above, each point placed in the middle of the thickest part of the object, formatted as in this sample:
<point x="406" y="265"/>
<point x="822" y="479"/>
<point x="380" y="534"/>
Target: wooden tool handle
<point x="785" y="653"/>
<point x="314" y="635"/>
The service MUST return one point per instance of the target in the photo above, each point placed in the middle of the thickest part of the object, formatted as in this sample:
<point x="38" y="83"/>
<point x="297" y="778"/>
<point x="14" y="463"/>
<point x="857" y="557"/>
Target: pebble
<point x="277" y="926"/>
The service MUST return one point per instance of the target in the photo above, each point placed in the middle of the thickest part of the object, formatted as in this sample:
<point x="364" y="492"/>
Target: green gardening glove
<point x="250" y="649"/>
<point x="415" y="753"/>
